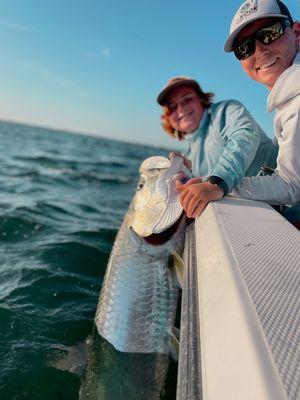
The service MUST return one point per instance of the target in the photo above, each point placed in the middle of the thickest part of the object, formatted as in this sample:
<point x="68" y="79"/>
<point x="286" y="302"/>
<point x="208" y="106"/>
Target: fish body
<point x="130" y="360"/>
<point x="115" y="375"/>
<point x="138" y="299"/>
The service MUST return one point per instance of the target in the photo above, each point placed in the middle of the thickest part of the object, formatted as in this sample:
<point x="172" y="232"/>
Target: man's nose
<point x="260" y="47"/>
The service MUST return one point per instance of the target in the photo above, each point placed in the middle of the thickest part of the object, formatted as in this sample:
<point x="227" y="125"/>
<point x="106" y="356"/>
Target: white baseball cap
<point x="252" y="10"/>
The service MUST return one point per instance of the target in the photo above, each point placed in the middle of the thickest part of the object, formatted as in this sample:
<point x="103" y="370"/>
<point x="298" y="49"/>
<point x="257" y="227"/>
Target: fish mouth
<point x="157" y="239"/>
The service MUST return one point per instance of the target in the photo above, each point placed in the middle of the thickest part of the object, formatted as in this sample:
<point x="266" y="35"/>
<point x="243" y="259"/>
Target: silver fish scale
<point x="138" y="299"/>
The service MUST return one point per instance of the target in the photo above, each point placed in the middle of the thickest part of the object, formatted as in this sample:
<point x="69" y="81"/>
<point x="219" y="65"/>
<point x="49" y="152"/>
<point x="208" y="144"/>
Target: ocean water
<point x="62" y="199"/>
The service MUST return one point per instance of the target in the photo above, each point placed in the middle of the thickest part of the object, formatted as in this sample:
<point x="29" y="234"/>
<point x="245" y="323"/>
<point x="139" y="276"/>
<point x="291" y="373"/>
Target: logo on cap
<point x="248" y="8"/>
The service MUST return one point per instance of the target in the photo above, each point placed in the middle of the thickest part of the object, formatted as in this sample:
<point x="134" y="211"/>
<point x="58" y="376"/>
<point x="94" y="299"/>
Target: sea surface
<point x="62" y="199"/>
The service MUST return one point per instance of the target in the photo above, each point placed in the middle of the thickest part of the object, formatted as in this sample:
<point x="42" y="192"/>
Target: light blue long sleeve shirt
<point x="229" y="144"/>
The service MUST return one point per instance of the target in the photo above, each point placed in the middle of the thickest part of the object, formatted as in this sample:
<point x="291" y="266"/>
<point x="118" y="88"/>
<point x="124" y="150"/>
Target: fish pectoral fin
<point x="71" y="358"/>
<point x="176" y="332"/>
<point x="179" y="267"/>
<point x="174" y="344"/>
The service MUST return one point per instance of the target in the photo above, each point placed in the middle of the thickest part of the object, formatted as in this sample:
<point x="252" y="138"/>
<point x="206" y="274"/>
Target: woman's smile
<point x="187" y="115"/>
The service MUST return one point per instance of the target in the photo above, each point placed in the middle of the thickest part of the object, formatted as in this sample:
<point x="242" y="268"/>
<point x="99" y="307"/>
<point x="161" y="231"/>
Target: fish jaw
<point x="156" y="205"/>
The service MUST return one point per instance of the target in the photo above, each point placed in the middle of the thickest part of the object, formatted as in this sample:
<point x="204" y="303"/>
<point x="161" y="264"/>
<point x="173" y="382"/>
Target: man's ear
<point x="296" y="30"/>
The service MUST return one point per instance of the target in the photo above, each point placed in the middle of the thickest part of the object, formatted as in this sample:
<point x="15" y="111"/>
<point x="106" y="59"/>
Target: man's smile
<point x="267" y="64"/>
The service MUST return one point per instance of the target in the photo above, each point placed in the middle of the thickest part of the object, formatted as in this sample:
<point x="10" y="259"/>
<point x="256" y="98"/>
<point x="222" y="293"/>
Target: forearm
<point x="237" y="156"/>
<point x="270" y="189"/>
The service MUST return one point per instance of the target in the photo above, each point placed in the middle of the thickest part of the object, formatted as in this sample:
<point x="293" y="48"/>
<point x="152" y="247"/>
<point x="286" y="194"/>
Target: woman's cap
<point x="175" y="83"/>
<point x="252" y="10"/>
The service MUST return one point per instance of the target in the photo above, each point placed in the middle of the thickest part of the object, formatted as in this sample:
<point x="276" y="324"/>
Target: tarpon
<point x="138" y="299"/>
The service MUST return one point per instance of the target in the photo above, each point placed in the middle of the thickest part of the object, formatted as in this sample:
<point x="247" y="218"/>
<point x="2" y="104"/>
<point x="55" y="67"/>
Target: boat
<point x="240" y="329"/>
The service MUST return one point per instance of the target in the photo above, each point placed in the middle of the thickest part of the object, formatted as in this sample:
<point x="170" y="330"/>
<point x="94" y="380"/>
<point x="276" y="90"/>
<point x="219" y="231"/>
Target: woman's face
<point x="185" y="109"/>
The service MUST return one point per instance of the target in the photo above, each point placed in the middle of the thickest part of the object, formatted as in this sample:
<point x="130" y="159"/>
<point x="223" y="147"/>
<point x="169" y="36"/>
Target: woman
<point x="224" y="142"/>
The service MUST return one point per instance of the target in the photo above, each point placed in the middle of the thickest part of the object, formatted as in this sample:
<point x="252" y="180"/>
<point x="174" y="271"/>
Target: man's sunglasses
<point x="266" y="35"/>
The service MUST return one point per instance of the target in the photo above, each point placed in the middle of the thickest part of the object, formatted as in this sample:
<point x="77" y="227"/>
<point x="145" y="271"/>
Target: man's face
<point x="270" y="60"/>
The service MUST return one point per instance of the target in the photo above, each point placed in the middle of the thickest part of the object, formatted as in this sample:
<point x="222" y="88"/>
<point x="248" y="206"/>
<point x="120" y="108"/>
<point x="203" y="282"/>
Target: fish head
<point x="156" y="206"/>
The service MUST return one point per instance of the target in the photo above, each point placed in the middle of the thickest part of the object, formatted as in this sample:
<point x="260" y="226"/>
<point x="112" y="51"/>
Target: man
<point x="266" y="40"/>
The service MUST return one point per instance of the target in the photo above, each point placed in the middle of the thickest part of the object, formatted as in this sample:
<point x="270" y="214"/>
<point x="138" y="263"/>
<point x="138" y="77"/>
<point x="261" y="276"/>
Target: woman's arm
<point x="243" y="137"/>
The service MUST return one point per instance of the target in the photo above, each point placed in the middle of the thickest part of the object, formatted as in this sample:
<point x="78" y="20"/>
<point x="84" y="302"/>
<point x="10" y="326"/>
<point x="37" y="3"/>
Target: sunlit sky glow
<point x="97" y="66"/>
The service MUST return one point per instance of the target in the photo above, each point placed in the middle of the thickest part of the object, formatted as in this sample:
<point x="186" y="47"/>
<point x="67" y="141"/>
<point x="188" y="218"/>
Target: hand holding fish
<point x="195" y="195"/>
<point x="186" y="161"/>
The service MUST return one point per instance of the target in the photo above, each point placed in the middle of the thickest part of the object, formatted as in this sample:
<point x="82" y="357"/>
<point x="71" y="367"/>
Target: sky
<point x="96" y="67"/>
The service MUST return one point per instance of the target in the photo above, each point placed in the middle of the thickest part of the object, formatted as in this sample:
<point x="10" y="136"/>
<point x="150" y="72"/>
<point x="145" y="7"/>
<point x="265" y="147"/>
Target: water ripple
<point x="62" y="200"/>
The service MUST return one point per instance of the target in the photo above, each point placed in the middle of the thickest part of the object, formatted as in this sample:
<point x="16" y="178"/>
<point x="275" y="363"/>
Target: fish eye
<point x="140" y="185"/>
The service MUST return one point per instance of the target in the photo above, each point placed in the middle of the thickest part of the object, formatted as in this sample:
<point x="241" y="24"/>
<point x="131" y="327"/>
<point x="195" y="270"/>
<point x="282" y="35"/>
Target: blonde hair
<point x="206" y="100"/>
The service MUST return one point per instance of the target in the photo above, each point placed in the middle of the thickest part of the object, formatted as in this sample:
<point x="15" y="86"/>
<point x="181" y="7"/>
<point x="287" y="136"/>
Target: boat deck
<point x="240" y="328"/>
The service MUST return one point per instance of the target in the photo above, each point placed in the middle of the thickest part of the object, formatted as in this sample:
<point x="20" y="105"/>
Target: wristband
<point x="217" y="181"/>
